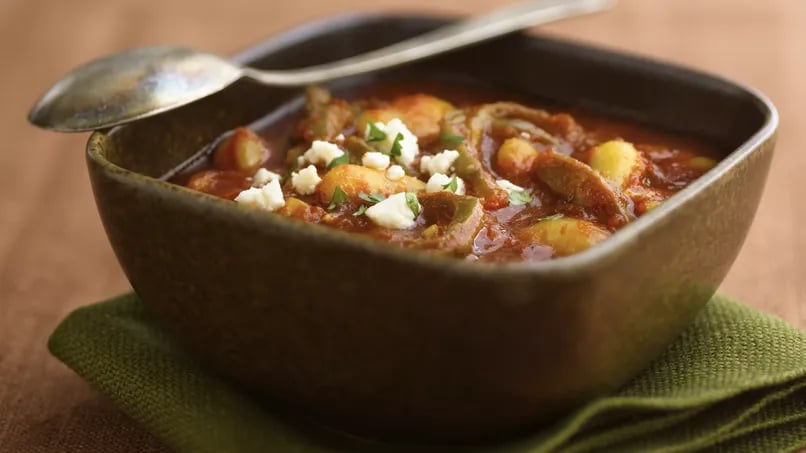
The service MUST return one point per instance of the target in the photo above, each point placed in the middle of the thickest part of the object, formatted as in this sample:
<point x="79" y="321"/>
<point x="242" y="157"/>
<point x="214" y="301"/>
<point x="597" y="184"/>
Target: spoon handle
<point x="444" y="39"/>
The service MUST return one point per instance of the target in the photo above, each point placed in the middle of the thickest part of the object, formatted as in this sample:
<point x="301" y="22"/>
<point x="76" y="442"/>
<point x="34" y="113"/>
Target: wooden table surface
<point x="53" y="252"/>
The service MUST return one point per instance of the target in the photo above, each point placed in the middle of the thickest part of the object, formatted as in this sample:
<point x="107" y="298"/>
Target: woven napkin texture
<point x="734" y="381"/>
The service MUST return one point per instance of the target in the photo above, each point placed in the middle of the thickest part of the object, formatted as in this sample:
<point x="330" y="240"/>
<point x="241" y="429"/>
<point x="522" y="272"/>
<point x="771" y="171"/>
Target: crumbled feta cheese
<point x="340" y="138"/>
<point x="393" y="212"/>
<point x="438" y="182"/>
<point x="395" y="172"/>
<point x="263" y="177"/>
<point x="376" y="160"/>
<point x="439" y="163"/>
<point x="268" y="197"/>
<point x="300" y="161"/>
<point x="305" y="182"/>
<point x="322" y="152"/>
<point x="408" y="144"/>
<point x="508" y="186"/>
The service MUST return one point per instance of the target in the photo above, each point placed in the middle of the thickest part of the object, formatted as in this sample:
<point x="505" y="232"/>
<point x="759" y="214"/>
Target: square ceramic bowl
<point x="399" y="344"/>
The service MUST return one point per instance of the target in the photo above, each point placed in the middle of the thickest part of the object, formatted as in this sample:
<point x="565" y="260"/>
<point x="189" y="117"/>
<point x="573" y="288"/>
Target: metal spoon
<point x="136" y="84"/>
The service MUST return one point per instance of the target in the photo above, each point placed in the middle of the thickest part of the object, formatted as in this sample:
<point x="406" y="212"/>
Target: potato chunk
<point x="422" y="114"/>
<point x="242" y="151"/>
<point x="515" y="158"/>
<point x="618" y="161"/>
<point x="566" y="235"/>
<point x="701" y="163"/>
<point x="298" y="209"/>
<point x="355" y="179"/>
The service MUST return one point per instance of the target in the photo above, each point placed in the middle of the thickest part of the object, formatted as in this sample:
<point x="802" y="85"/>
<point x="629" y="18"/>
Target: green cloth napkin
<point x="735" y="380"/>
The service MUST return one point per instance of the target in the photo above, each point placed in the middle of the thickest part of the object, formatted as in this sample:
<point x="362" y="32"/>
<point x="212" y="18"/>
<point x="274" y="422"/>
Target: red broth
<point x="479" y="175"/>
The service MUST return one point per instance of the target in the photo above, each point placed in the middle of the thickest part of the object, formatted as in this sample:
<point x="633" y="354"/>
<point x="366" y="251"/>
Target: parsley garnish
<point x="412" y="203"/>
<point x="339" y="198"/>
<point x="397" y="147"/>
<point x="452" y="138"/>
<point x="371" y="198"/>
<point x="375" y="134"/>
<point x="452" y="185"/>
<point x="341" y="160"/>
<point x="519" y="197"/>
<point x="361" y="210"/>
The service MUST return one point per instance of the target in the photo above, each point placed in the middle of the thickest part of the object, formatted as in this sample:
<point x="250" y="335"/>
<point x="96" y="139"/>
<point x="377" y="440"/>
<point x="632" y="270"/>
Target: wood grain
<point x="53" y="253"/>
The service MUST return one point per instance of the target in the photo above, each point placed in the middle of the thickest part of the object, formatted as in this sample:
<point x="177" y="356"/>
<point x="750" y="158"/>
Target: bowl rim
<point x="568" y="266"/>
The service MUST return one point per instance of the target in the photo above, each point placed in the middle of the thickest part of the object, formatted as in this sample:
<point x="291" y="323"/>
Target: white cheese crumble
<point x="439" y="163"/>
<point x="395" y="172"/>
<point x="376" y="160"/>
<point x="339" y="138"/>
<point x="322" y="152"/>
<point x="408" y="144"/>
<point x="305" y="182"/>
<point x="393" y="212"/>
<point x="263" y="177"/>
<point x="508" y="186"/>
<point x="438" y="182"/>
<point x="268" y="197"/>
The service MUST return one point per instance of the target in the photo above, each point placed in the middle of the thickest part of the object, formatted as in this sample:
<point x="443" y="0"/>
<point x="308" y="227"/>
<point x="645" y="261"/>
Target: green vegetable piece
<point x="326" y="117"/>
<point x="519" y="197"/>
<point x="339" y="198"/>
<point x="467" y="165"/>
<point x="375" y="134"/>
<point x="360" y="211"/>
<point x="460" y="217"/>
<point x="357" y="147"/>
<point x="372" y="197"/>
<point x="412" y="203"/>
<point x="397" y="147"/>
<point x="452" y="138"/>
<point x="341" y="160"/>
<point x="452" y="185"/>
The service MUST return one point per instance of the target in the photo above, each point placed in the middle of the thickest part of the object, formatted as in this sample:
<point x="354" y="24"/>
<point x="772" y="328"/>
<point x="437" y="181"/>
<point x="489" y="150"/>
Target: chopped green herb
<point x="519" y="197"/>
<point x="397" y="146"/>
<point x="375" y="134"/>
<point x="361" y="210"/>
<point x="412" y="203"/>
<point x="452" y="185"/>
<point x="339" y="198"/>
<point x="452" y="138"/>
<point x="292" y="168"/>
<point x="341" y="160"/>
<point x="371" y="198"/>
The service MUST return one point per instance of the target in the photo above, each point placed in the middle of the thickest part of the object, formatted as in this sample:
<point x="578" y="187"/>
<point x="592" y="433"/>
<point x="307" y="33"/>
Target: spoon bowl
<point x="139" y="83"/>
<point x="131" y="85"/>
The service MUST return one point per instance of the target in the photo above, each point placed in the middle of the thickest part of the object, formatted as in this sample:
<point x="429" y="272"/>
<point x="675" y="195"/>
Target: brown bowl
<point x="395" y="343"/>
